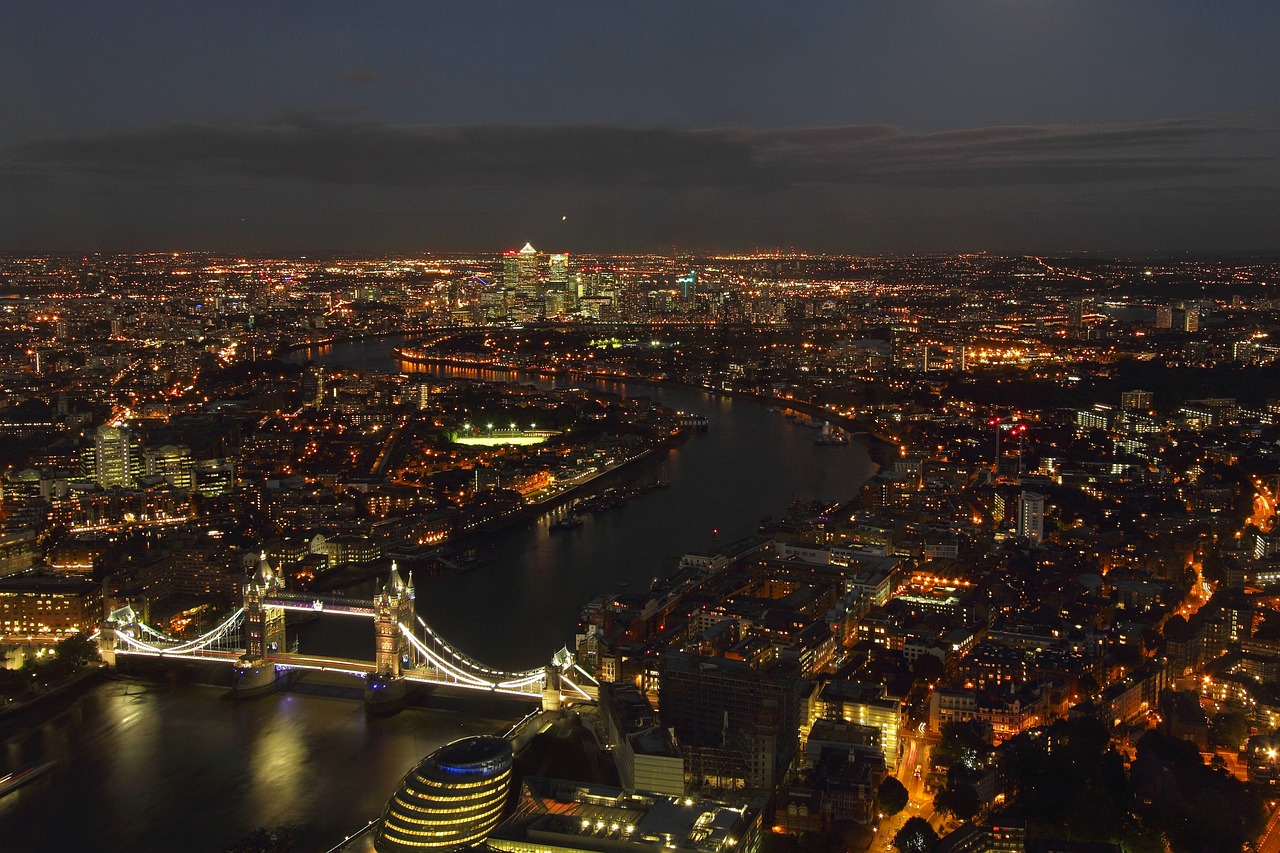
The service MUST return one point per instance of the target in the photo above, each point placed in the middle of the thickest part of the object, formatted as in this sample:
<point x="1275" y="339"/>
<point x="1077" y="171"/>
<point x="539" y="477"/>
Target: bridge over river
<point x="406" y="649"/>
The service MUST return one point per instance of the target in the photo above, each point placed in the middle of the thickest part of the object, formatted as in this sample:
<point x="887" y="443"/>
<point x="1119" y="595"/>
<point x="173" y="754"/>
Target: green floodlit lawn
<point x="491" y="440"/>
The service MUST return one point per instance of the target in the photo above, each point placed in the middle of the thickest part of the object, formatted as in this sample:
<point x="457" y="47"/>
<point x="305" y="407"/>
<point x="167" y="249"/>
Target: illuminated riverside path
<point x="518" y="610"/>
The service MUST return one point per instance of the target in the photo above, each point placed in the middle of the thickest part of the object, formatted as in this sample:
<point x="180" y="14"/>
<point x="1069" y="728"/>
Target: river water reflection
<point x="186" y="769"/>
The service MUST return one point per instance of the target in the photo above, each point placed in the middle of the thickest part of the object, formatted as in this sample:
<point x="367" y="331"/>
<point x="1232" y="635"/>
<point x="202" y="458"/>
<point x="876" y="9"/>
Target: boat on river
<point x="831" y="436"/>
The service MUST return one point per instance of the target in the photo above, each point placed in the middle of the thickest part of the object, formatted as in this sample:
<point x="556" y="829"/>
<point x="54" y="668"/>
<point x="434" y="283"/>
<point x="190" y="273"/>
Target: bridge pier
<point x="255" y="678"/>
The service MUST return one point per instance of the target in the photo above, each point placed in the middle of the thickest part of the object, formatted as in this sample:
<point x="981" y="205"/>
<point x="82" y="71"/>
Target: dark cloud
<point x="318" y="180"/>
<point x="356" y="76"/>
<point x="319" y="148"/>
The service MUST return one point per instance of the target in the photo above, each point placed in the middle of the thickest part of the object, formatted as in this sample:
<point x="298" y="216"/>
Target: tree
<point x="916" y="836"/>
<point x="1229" y="729"/>
<point x="928" y="668"/>
<point x="967" y="743"/>
<point x="77" y="651"/>
<point x="959" y="799"/>
<point x="892" y="797"/>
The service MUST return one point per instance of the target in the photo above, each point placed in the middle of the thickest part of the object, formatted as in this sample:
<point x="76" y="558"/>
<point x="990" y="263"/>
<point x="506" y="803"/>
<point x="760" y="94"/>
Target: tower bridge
<point x="406" y="649"/>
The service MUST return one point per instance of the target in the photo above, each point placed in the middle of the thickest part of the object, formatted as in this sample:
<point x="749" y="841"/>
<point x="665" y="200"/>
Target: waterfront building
<point x="554" y="816"/>
<point x="452" y="799"/>
<point x="1164" y="316"/>
<point x="47" y="607"/>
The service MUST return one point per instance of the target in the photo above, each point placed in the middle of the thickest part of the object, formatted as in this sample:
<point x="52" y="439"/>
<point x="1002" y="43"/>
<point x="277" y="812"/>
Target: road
<point x="920" y="803"/>
<point x="1269" y="841"/>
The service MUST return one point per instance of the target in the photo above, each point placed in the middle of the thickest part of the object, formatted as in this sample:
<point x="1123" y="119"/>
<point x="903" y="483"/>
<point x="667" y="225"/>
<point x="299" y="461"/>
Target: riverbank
<point x="355" y="575"/>
<point x="21" y="714"/>
<point x="881" y="450"/>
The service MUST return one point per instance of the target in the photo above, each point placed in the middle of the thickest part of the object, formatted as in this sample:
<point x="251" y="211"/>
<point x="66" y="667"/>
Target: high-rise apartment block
<point x="1031" y="517"/>
<point x="1136" y="401"/>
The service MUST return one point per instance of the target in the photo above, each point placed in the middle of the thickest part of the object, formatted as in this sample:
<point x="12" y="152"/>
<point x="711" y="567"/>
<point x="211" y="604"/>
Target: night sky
<point x="860" y="126"/>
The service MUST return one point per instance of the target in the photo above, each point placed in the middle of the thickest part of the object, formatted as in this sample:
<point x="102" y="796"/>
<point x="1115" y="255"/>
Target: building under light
<point x="1031" y="517"/>
<point x="117" y="457"/>
<point x="554" y="816"/>
<point x="450" y="800"/>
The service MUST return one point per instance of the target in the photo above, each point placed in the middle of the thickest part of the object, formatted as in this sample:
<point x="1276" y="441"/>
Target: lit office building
<point x="451" y="799"/>
<point x="175" y="464"/>
<point x="117" y="457"/>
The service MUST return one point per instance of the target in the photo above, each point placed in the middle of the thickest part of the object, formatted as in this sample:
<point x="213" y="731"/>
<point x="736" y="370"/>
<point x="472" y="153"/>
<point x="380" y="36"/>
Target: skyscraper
<point x="1080" y="309"/>
<point x="558" y="272"/>
<point x="510" y="269"/>
<point x="117" y="457"/>
<point x="313" y="385"/>
<point x="560" y="298"/>
<point x="527" y="267"/>
<point x="1164" y="316"/>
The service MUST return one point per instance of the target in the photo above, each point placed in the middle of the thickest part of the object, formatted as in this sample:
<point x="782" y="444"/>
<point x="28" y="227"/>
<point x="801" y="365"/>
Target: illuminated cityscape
<point x="1062" y="526"/>
<point x="527" y="427"/>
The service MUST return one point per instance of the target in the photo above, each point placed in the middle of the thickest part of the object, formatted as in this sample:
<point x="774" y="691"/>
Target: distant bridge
<point x="406" y="648"/>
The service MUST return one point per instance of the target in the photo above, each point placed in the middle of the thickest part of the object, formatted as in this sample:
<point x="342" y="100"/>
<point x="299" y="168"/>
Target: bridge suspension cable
<point x="212" y="637"/>
<point x="469" y="663"/>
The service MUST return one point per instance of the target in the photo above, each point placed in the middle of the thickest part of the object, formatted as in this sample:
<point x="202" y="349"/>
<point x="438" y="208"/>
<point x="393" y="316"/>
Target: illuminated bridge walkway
<point x="252" y="639"/>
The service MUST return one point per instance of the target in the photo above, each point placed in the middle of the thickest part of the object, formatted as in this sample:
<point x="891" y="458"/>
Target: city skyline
<point x="1000" y="126"/>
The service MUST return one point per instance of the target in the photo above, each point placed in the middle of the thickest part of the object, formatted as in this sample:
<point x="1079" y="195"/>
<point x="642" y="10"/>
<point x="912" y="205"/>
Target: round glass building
<point x="452" y="799"/>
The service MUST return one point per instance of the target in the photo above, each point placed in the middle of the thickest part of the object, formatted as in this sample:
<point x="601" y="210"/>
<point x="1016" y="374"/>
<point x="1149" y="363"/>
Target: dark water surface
<point x="185" y="769"/>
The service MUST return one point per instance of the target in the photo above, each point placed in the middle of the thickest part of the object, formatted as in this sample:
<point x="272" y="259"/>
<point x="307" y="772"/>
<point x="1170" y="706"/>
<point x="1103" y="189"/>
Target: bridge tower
<point x="263" y="624"/>
<point x="385" y="691"/>
<point x="263" y="633"/>
<point x="551" y="688"/>
<point x="117" y="618"/>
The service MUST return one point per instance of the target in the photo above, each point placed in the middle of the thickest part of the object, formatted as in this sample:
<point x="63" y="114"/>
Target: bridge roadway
<point x="356" y="667"/>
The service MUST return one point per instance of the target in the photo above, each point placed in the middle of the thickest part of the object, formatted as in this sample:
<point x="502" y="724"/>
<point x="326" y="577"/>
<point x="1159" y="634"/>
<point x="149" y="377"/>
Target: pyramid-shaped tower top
<point x="528" y="249"/>
<point x="264" y="576"/>
<point x="395" y="584"/>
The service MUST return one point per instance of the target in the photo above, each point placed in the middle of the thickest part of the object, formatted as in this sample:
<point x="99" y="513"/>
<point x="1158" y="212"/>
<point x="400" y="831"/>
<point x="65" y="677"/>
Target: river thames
<point x="182" y="768"/>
